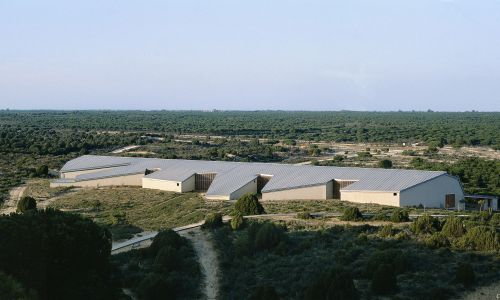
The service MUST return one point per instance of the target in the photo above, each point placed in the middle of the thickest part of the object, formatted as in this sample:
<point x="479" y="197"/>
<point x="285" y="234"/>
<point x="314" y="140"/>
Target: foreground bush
<point x="264" y="293"/>
<point x="437" y="240"/>
<point x="268" y="236"/>
<point x="26" y="204"/>
<point x="166" y="238"/>
<point x="481" y="238"/>
<point x="248" y="205"/>
<point x="351" y="214"/>
<point x="384" y="280"/>
<point x="425" y="225"/>
<point x="453" y="227"/>
<point x="465" y="275"/>
<point x="237" y="222"/>
<point x="212" y="221"/>
<point x="56" y="254"/>
<point x="400" y="215"/>
<point x="11" y="289"/>
<point x="399" y="261"/>
<point x="334" y="284"/>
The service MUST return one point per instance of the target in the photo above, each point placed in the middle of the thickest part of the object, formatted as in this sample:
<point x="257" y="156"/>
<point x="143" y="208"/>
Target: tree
<point x="334" y="284"/>
<point x="26" y="204"/>
<point x="385" y="163"/>
<point x="212" y="221"/>
<point x="237" y="221"/>
<point x="249" y="204"/>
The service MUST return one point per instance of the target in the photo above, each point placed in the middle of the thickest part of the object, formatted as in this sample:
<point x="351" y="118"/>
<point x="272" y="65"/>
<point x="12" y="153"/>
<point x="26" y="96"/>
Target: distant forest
<point x="25" y="129"/>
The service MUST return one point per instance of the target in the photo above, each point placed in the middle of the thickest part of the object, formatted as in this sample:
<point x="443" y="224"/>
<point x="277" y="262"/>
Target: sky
<point x="379" y="55"/>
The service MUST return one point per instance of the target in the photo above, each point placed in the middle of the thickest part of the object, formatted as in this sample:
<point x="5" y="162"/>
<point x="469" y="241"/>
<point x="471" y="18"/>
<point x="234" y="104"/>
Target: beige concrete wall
<point x="70" y="175"/>
<point x="316" y="192"/>
<point x="384" y="198"/>
<point x="188" y="184"/>
<point x="433" y="192"/>
<point x="169" y="185"/>
<point x="134" y="180"/>
<point x="250" y="187"/>
<point x="164" y="185"/>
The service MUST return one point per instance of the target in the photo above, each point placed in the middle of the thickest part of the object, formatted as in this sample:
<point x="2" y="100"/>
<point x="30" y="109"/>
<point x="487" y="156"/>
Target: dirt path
<point x="10" y="205"/>
<point x="207" y="256"/>
<point x="490" y="292"/>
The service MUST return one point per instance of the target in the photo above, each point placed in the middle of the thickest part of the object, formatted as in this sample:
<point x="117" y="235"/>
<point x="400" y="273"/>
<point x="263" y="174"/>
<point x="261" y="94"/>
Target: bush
<point x="268" y="236"/>
<point x="304" y="215"/>
<point x="384" y="281"/>
<point x="481" y="238"/>
<point x="385" y="163"/>
<point x="351" y="214"/>
<point x="453" y="227"/>
<point x="12" y="289"/>
<point x="264" y="293"/>
<point x="212" y="221"/>
<point x="437" y="240"/>
<point x="155" y="286"/>
<point x="168" y="259"/>
<point x="334" y="284"/>
<point x="166" y="238"/>
<point x="26" y="204"/>
<point x="425" y="224"/>
<point x="237" y="222"/>
<point x="249" y="204"/>
<point x="400" y="215"/>
<point x="387" y="231"/>
<point x="394" y="257"/>
<point x="465" y="275"/>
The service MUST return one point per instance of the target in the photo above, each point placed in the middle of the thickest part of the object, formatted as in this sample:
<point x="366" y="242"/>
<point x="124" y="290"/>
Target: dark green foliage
<point x="237" y="222"/>
<point x="453" y="227"/>
<point x="166" y="238"/>
<point x="399" y="215"/>
<point x="268" y="236"/>
<point x="425" y="225"/>
<point x="56" y="254"/>
<point x="42" y="171"/>
<point x="334" y="284"/>
<point x="481" y="238"/>
<point x="385" y="163"/>
<point x="265" y="292"/>
<point x="212" y="221"/>
<point x="248" y="204"/>
<point x="465" y="274"/>
<point x="11" y="289"/>
<point x="437" y="240"/>
<point x="384" y="281"/>
<point x="157" y="287"/>
<point x="398" y="259"/>
<point x="351" y="214"/>
<point x="387" y="231"/>
<point x="26" y="204"/>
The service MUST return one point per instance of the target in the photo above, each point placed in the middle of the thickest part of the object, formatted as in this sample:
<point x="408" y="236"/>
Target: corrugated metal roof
<point x="233" y="175"/>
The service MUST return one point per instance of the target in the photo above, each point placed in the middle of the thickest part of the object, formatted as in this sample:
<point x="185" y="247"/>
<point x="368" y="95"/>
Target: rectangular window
<point x="449" y="201"/>
<point x="177" y="184"/>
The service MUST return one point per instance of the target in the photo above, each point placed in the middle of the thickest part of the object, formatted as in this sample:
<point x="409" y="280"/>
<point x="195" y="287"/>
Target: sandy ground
<point x="207" y="256"/>
<point x="10" y="205"/>
<point x="490" y="292"/>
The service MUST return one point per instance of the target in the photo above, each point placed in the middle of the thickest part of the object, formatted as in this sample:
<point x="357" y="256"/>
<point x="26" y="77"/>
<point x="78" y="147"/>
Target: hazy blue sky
<point x="272" y="54"/>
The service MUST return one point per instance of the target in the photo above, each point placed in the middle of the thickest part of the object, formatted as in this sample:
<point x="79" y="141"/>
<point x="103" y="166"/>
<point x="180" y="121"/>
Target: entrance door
<point x="449" y="201"/>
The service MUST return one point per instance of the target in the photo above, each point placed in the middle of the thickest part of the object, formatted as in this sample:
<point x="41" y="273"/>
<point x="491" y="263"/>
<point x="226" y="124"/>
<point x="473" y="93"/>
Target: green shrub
<point x="384" y="281"/>
<point x="481" y="238"/>
<point x="304" y="215"/>
<point x="243" y="246"/>
<point x="268" y="236"/>
<point x="334" y="284"/>
<point x="387" y="231"/>
<point x="155" y="287"/>
<point x="213" y="220"/>
<point x="437" y="240"/>
<point x="237" y="222"/>
<point x="248" y="204"/>
<point x="399" y="215"/>
<point x="453" y="227"/>
<point x="495" y="220"/>
<point x="168" y="259"/>
<point x="465" y="274"/>
<point x="166" y="238"/>
<point x="351" y="214"/>
<point x="425" y="224"/>
<point x="26" y="204"/>
<point x="265" y="292"/>
<point x="385" y="163"/>
<point x="394" y="257"/>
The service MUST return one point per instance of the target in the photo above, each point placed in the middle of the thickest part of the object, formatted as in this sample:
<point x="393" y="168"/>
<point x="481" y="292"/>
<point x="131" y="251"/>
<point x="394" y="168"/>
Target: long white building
<point x="230" y="180"/>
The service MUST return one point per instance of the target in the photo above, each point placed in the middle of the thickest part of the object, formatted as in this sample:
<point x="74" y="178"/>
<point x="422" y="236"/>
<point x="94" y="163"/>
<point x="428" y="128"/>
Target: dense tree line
<point x="469" y="128"/>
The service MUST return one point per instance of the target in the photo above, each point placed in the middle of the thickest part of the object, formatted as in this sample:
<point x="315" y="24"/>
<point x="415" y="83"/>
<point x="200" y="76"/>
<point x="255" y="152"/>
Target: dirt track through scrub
<point x="207" y="258"/>
<point x="10" y="206"/>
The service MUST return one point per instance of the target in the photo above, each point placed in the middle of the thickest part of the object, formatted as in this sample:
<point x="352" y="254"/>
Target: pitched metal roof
<point x="231" y="176"/>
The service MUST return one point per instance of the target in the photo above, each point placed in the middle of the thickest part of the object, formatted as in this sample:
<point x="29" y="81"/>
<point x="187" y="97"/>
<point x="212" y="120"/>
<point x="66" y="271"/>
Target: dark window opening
<point x="395" y="194"/>
<point x="177" y="184"/>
